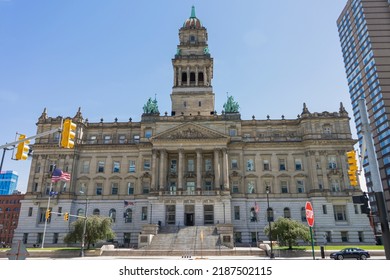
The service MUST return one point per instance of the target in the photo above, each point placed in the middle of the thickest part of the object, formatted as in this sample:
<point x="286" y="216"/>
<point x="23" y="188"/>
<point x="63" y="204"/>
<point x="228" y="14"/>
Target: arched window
<point x="287" y="213"/>
<point x="192" y="77"/>
<point x="128" y="215"/>
<point x="112" y="215"/>
<point x="80" y="212"/>
<point x="270" y="215"/>
<point x="96" y="212"/>
<point x="184" y="77"/>
<point x="200" y="77"/>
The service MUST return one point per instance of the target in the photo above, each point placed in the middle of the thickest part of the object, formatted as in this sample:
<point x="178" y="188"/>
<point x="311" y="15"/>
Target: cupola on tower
<point x="192" y="93"/>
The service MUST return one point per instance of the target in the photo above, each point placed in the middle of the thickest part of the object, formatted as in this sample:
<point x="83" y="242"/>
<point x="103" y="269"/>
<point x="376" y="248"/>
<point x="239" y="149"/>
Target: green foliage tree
<point x="288" y="231"/>
<point x="98" y="228"/>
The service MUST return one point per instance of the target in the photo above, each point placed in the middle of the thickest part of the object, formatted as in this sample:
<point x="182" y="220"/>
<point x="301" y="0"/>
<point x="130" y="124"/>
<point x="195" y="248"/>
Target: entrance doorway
<point x="189" y="219"/>
<point x="189" y="215"/>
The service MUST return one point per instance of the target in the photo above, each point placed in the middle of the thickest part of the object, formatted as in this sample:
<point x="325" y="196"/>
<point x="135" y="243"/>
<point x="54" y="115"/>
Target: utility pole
<point x="375" y="177"/>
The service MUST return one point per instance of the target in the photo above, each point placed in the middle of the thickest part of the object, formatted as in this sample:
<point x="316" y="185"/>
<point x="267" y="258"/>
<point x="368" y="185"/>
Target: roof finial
<point x="193" y="12"/>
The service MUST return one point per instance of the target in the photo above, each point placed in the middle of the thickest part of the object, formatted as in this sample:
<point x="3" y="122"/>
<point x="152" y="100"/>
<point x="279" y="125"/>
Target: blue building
<point x="8" y="182"/>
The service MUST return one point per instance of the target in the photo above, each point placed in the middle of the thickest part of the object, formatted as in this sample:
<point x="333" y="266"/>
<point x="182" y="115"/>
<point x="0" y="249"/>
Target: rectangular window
<point x="148" y="133"/>
<point x="283" y="186"/>
<point x="251" y="186"/>
<point x="145" y="187"/>
<point x="332" y="162"/>
<point x="114" y="188"/>
<point x="208" y="165"/>
<point x="250" y="165"/>
<point x="236" y="212"/>
<point x="300" y="186"/>
<point x="324" y="209"/>
<point x="85" y="167"/>
<point x="136" y="138"/>
<point x="207" y="185"/>
<point x="59" y="211"/>
<point x="232" y="132"/>
<point x="234" y="164"/>
<point x="235" y="187"/>
<point x="298" y="164"/>
<point x="144" y="213"/>
<point x="146" y="165"/>
<point x="266" y="165"/>
<point x="339" y="213"/>
<point x="173" y="166"/>
<point x="282" y="164"/>
<point x="107" y="139"/>
<point x="100" y="167"/>
<point x="122" y="139"/>
<point x="116" y="167"/>
<point x="99" y="189"/>
<point x="30" y="211"/>
<point x="130" y="188"/>
<point x="131" y="166"/>
<point x="92" y="139"/>
<point x="190" y="165"/>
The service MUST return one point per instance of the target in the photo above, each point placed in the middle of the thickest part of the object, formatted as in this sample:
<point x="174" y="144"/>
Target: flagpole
<point x="47" y="209"/>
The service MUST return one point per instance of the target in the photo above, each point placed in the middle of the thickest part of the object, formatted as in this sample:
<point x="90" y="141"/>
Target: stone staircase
<point x="187" y="240"/>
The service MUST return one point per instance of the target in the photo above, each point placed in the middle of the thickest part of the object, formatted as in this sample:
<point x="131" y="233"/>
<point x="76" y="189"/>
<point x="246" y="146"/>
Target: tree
<point x="288" y="231"/>
<point x="98" y="228"/>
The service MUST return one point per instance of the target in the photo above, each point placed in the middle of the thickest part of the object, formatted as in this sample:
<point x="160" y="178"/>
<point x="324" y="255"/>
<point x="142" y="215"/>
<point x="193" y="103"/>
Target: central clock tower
<point x="192" y="93"/>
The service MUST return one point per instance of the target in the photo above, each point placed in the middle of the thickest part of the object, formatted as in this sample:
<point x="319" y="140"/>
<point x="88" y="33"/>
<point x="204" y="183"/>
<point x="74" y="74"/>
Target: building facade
<point x="8" y="182"/>
<point x="195" y="166"/>
<point x="9" y="217"/>
<point x="364" y="29"/>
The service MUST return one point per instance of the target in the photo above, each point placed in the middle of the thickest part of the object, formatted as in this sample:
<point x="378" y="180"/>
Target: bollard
<point x="322" y="252"/>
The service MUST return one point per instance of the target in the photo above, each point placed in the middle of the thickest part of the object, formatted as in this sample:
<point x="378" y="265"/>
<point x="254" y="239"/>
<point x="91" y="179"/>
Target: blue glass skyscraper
<point x="8" y="182"/>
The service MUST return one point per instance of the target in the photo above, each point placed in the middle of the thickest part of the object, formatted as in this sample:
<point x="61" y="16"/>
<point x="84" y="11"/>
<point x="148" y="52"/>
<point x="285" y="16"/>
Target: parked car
<point x="350" y="253"/>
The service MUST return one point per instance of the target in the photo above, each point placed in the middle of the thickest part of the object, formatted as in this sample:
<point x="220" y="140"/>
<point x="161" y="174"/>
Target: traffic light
<point x="352" y="168"/>
<point x="66" y="216"/>
<point x="48" y="214"/>
<point x="22" y="149"/>
<point x="68" y="134"/>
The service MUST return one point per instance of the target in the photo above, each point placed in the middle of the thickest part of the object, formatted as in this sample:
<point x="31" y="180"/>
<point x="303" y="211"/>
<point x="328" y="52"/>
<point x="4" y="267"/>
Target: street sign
<point x="309" y="214"/>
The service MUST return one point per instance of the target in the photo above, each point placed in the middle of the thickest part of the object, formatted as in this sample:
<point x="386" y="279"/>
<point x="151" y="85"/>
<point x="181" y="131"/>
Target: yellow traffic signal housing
<point x="352" y="168"/>
<point x="68" y="134"/>
<point x="22" y="149"/>
<point x="48" y="214"/>
<point x="66" y="216"/>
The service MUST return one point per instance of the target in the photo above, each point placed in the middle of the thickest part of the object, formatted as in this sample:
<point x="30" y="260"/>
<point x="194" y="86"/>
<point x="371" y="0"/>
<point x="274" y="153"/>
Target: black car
<point x="350" y="253"/>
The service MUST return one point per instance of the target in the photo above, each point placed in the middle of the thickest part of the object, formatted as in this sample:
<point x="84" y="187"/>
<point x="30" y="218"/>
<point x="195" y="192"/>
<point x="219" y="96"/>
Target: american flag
<point x="257" y="209"/>
<point x="127" y="203"/>
<point x="59" y="175"/>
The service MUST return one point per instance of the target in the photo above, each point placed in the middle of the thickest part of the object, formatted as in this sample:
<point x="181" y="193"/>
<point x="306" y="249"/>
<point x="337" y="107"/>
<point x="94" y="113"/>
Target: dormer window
<point x="192" y="39"/>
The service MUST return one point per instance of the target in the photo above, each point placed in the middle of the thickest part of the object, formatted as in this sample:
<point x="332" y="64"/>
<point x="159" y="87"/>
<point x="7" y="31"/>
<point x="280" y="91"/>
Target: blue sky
<point x="109" y="57"/>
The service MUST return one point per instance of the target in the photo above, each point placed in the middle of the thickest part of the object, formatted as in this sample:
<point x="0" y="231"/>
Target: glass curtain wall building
<point x="8" y="182"/>
<point x="364" y="30"/>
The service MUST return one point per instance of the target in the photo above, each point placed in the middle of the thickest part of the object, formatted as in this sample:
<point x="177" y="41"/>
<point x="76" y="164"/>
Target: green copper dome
<point x="192" y="21"/>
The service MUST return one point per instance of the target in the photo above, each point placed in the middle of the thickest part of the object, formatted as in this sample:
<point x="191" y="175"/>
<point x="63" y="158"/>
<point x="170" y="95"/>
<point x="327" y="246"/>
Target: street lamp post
<point x="267" y="190"/>
<point x="84" y="226"/>
<point x="2" y="157"/>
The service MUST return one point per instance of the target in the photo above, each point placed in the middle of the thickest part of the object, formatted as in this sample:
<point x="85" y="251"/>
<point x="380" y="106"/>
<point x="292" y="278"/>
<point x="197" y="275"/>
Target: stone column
<point x="216" y="170"/>
<point x="180" y="171"/>
<point x="188" y="76"/>
<point x="324" y="167"/>
<point x="205" y="76"/>
<point x="225" y="170"/>
<point x="175" y="81"/>
<point x="154" y="170"/>
<point x="196" y="76"/>
<point x="180" y="81"/>
<point x="198" y="169"/>
<point x="162" y="167"/>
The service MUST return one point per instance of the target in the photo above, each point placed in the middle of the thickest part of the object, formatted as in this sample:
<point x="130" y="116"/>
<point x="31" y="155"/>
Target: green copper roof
<point x="193" y="12"/>
<point x="192" y="21"/>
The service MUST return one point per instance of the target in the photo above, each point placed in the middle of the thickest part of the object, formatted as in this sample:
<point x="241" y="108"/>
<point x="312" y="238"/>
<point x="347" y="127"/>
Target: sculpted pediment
<point x="189" y="131"/>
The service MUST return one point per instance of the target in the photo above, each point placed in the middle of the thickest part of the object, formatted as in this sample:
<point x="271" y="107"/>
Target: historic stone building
<point x="196" y="167"/>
